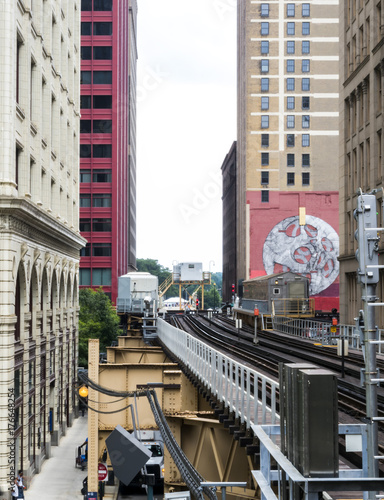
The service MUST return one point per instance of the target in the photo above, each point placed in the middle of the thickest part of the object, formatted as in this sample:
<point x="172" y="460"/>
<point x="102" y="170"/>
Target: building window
<point x="290" y="160"/>
<point x="305" y="10"/>
<point x="305" y="85"/>
<point x="103" y="53"/>
<point x="86" y="5"/>
<point x="265" y="140"/>
<point x="102" y="225"/>
<point x="264" y="159"/>
<point x="264" y="65"/>
<point x="305" y="66"/>
<point x="290" y="10"/>
<point x="85" y="151"/>
<point x="264" y="103"/>
<point x="102" y="250"/>
<point x="85" y="225"/>
<point x="85" y="102"/>
<point x="102" y="29"/>
<point x="102" y="101"/>
<point x="305" y="140"/>
<point x="86" y="29"/>
<point x="264" y="10"/>
<point x="85" y="77"/>
<point x="86" y="53"/>
<point x="305" y="102"/>
<point x="265" y="47"/>
<point x="102" y="126"/>
<point x="290" y="121"/>
<point x="86" y="251"/>
<point x="290" y="102"/>
<point x="85" y="277"/>
<point x="101" y="277"/>
<point x="290" y="47"/>
<point x="264" y="178"/>
<point x="102" y="150"/>
<point x="290" y="140"/>
<point x="85" y="200"/>
<point x="264" y="196"/>
<point x="305" y="47"/>
<point x="102" y="77"/>
<point x="305" y="176"/>
<point x="305" y="160"/>
<point x="102" y="200"/>
<point x="102" y="5"/>
<point x="265" y="29"/>
<point x="265" y="121"/>
<point x="290" y="84"/>
<point x="290" y="179"/>
<point x="85" y="176"/>
<point x="264" y="84"/>
<point x="290" y="65"/>
<point x="85" y="126"/>
<point x="290" y="28"/>
<point x="305" y="30"/>
<point x="305" y="121"/>
<point x="102" y="176"/>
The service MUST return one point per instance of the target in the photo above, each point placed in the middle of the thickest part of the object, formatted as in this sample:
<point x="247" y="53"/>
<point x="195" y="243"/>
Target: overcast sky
<point x="186" y="123"/>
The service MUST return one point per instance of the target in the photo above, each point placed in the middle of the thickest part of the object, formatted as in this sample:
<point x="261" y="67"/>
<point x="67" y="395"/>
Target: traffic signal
<point x="197" y="303"/>
<point x="334" y="321"/>
<point x="233" y="289"/>
<point x="367" y="252"/>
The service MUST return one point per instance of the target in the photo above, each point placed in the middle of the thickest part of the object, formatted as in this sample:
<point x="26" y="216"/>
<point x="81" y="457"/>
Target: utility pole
<point x="368" y="274"/>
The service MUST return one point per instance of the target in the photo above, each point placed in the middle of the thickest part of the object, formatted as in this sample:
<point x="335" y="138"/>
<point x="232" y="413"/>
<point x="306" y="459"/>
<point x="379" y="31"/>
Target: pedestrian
<point x="15" y="489"/>
<point x="20" y="484"/>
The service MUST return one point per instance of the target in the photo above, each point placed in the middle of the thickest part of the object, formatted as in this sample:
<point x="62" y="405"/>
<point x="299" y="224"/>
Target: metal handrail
<point x="321" y="332"/>
<point x="232" y="383"/>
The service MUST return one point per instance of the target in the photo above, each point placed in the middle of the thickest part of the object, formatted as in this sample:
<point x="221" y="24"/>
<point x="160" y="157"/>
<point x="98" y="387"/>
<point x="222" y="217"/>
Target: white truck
<point x="152" y="440"/>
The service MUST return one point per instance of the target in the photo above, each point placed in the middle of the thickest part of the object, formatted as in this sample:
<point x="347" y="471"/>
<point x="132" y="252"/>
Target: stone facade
<point x="39" y="229"/>
<point x="361" y="137"/>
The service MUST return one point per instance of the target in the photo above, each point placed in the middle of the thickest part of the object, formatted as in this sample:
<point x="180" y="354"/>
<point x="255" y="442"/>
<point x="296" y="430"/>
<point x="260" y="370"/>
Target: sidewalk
<point x="59" y="479"/>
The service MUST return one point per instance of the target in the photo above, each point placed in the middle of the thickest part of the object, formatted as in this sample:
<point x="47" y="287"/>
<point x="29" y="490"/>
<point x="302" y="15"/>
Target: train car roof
<point x="275" y="275"/>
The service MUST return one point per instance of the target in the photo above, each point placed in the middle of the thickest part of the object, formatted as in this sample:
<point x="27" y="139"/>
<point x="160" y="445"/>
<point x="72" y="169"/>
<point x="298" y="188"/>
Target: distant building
<point x="108" y="142"/>
<point x="228" y="170"/>
<point x="287" y="147"/>
<point x="39" y="226"/>
<point x="361" y="138"/>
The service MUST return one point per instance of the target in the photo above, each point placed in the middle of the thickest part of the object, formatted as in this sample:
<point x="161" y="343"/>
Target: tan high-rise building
<point x="287" y="151"/>
<point x="361" y="136"/>
<point x="39" y="228"/>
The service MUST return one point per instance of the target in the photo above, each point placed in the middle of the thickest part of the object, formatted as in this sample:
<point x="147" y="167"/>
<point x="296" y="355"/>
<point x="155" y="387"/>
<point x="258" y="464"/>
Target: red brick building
<point x="108" y="142"/>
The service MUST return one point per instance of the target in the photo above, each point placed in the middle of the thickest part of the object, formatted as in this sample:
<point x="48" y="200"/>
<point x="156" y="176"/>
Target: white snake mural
<point x="309" y="250"/>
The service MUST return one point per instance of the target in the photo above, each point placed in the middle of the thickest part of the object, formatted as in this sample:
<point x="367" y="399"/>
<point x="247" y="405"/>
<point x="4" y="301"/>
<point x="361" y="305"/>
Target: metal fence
<point x="250" y="395"/>
<point x="321" y="332"/>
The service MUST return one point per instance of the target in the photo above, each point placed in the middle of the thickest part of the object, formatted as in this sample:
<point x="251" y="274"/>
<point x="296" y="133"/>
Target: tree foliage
<point x="97" y="320"/>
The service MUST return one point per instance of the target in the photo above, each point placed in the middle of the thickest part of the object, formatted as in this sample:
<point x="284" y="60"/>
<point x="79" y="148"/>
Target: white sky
<point x="186" y="123"/>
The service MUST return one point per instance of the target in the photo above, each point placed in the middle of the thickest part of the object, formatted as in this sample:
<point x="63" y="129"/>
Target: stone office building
<point x="39" y="228"/>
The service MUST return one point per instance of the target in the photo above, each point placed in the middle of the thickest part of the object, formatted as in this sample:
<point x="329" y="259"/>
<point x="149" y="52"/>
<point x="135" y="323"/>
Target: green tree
<point x="97" y="320"/>
<point x="153" y="267"/>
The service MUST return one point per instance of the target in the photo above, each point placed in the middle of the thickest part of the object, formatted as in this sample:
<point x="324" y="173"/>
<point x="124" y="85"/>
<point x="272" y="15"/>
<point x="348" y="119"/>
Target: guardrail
<point x="321" y="331"/>
<point x="250" y="395"/>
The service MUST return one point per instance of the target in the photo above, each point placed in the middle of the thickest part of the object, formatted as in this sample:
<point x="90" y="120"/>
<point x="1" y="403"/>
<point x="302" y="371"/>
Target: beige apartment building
<point x="361" y="139"/>
<point x="288" y="138"/>
<point x="39" y="231"/>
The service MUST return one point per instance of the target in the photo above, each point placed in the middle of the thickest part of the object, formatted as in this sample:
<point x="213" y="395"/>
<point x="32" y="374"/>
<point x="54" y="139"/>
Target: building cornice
<point x="23" y="217"/>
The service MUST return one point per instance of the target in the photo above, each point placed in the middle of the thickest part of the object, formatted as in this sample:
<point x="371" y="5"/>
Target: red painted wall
<point x="314" y="256"/>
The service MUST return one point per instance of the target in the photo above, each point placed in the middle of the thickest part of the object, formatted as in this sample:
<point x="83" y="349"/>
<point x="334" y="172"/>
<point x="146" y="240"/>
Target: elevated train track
<point x="274" y="348"/>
